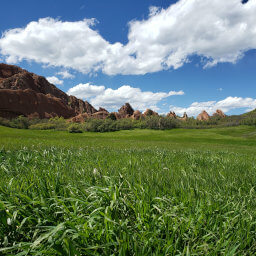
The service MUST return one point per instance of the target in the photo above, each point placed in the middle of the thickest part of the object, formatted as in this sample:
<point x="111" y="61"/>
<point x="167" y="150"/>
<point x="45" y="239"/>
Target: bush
<point x="75" y="128"/>
<point x="59" y="122"/>
<point x="161" y="123"/>
<point x="5" y="122"/>
<point x="124" y="124"/>
<point x="21" y="122"/>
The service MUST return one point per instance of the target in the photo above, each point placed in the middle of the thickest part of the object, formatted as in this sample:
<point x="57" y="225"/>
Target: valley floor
<point x="137" y="192"/>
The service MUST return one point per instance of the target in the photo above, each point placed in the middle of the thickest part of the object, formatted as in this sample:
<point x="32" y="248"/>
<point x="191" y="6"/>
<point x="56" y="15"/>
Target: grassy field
<point x="140" y="192"/>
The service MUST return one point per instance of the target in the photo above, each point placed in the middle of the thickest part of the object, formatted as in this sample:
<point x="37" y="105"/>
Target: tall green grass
<point x="98" y="200"/>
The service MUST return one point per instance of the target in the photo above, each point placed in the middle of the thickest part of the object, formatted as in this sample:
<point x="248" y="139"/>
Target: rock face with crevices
<point x="32" y="104"/>
<point x="81" y="106"/>
<point x="125" y="111"/>
<point x="25" y="93"/>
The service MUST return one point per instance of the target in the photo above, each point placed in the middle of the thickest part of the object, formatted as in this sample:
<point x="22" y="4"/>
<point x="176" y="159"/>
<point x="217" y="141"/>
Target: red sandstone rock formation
<point x="185" y="117"/>
<point x="30" y="103"/>
<point x="203" y="116"/>
<point x="172" y="114"/>
<point x="136" y="115"/>
<point x="117" y="115"/>
<point x="126" y="111"/>
<point x="102" y="110"/>
<point x="81" y="118"/>
<point x="219" y="113"/>
<point x="14" y="78"/>
<point x="100" y="115"/>
<point x="150" y="112"/>
<point x="15" y="81"/>
<point x="81" y="106"/>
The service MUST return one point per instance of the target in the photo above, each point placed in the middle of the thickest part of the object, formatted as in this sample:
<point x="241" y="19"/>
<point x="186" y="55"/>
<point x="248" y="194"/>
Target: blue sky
<point x="185" y="55"/>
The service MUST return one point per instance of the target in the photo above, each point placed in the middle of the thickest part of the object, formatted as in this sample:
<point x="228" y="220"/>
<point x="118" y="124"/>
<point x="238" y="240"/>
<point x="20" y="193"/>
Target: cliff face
<point x="14" y="78"/>
<point x="25" y="93"/>
<point x="32" y="104"/>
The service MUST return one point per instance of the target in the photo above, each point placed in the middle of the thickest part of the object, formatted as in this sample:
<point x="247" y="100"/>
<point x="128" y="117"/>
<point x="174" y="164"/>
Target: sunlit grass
<point x="134" y="196"/>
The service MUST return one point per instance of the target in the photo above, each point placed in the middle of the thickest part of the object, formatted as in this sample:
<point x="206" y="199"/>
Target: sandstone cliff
<point x="25" y="93"/>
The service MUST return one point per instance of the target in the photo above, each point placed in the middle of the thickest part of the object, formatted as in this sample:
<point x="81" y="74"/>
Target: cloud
<point x="166" y="39"/>
<point x="225" y="105"/>
<point x="65" y="74"/>
<point x="54" y="80"/>
<point x="112" y="99"/>
<point x="51" y="41"/>
<point x="87" y="90"/>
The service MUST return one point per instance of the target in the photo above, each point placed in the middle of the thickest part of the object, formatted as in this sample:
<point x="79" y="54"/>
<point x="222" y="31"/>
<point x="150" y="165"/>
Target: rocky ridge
<point x="25" y="93"/>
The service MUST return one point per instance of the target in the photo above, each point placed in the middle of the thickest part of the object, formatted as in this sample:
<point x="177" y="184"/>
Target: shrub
<point x="5" y="122"/>
<point x="59" y="122"/>
<point x="75" y="128"/>
<point x="124" y="124"/>
<point x="21" y="122"/>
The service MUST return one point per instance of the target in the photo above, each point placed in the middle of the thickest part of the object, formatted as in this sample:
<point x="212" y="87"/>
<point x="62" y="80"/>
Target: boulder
<point x="203" y="116"/>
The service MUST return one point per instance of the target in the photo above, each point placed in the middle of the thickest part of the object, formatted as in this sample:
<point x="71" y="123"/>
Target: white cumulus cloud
<point x="112" y="99"/>
<point x="217" y="30"/>
<point x="65" y="74"/>
<point x="54" y="80"/>
<point x="87" y="90"/>
<point x="225" y="105"/>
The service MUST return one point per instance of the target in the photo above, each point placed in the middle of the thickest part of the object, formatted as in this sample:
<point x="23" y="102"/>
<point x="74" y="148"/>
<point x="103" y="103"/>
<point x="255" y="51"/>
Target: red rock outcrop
<point x="30" y="103"/>
<point x="219" y="113"/>
<point x="100" y="115"/>
<point x="137" y="115"/>
<point x="126" y="111"/>
<point x="81" y="106"/>
<point x="102" y="110"/>
<point x="185" y="117"/>
<point x="81" y="118"/>
<point x="172" y="114"/>
<point x="150" y="112"/>
<point x="14" y="80"/>
<point x="203" y="116"/>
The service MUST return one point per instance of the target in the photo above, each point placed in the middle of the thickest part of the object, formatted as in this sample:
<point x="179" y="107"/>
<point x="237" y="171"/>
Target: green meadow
<point x="135" y="192"/>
